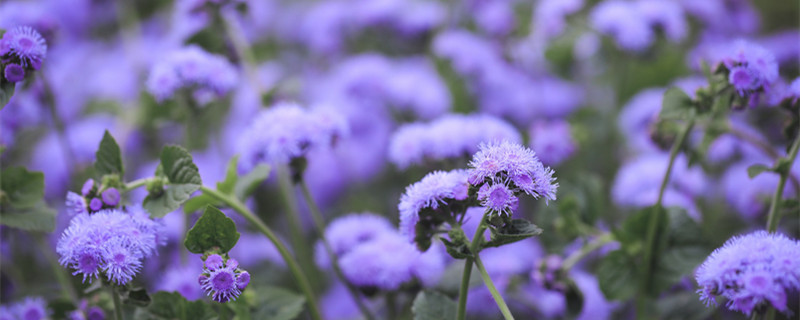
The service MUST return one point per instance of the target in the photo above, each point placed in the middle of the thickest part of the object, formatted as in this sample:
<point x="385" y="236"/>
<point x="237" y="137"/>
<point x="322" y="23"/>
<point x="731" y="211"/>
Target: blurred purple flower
<point x="23" y="45"/>
<point x="550" y="15"/>
<point x="349" y="231"/>
<point x="191" y="67"/>
<point x="552" y="141"/>
<point x="623" y="21"/>
<point x="181" y="278"/>
<point x="434" y="190"/>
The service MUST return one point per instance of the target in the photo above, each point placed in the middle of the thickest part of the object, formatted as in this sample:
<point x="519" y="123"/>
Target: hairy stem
<point x="298" y="274"/>
<point x="461" y="312"/>
<point x="764" y="147"/>
<point x="303" y="249"/>
<point x="117" y="303"/>
<point x="490" y="285"/>
<point x="774" y="208"/>
<point x="319" y="222"/>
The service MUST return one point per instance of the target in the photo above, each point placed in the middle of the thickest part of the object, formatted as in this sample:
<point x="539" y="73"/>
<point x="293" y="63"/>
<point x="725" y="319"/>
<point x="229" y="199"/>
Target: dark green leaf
<point x="456" y="250"/>
<point x="213" y="230"/>
<point x="516" y="230"/>
<point x="36" y="218"/>
<point x="6" y="91"/>
<point x="277" y="304"/>
<point x="173" y="306"/>
<point x="183" y="177"/>
<point x="250" y="181"/>
<point x="676" y="105"/>
<point x="22" y="188"/>
<point x="108" y="158"/>
<point x="432" y="305"/>
<point x="617" y="276"/>
<point x="226" y="186"/>
<point x="137" y="297"/>
<point x="756" y="169"/>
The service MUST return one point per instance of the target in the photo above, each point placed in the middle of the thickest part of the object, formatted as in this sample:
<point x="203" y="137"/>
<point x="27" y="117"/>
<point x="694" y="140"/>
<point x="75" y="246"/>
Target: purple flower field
<point x="399" y="159"/>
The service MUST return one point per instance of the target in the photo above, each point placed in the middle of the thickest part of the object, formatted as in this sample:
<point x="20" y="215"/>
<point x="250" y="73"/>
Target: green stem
<point x="236" y="205"/>
<point x="461" y="312"/>
<point x="303" y="250"/>
<point x="770" y="314"/>
<point x="764" y="147"/>
<point x="590" y="247"/>
<point x="391" y="308"/>
<point x="319" y="222"/>
<point x="774" y="208"/>
<point x="652" y="225"/>
<point x="490" y="285"/>
<point x="137" y="183"/>
<point x="117" y="303"/>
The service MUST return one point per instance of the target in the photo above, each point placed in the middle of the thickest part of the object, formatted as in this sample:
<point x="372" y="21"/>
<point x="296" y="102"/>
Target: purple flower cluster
<point x="112" y="242"/>
<point x="632" y="23"/>
<point x="287" y="131"/>
<point x="426" y="203"/>
<point x="503" y="170"/>
<point x="751" y="67"/>
<point x="208" y="76"/>
<point x="373" y="255"/>
<point x="91" y="199"/>
<point x="448" y="137"/>
<point x="31" y="308"/>
<point x="552" y="141"/>
<point x="21" y="49"/>
<point x="222" y="279"/>
<point x="751" y="271"/>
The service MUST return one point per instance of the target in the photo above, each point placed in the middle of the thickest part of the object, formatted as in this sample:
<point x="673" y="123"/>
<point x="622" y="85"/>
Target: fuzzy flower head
<point x="23" y="46"/>
<point x="347" y="232"/>
<point x="287" y="131"/>
<point x="751" y="271"/>
<point x="222" y="279"/>
<point x="514" y="166"/>
<point x="432" y="201"/>
<point x="109" y="242"/>
<point x="207" y="75"/>
<point x="31" y="308"/>
<point x="751" y="67"/>
<point x="552" y="141"/>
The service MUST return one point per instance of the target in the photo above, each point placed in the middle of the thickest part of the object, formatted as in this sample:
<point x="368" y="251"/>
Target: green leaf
<point x="617" y="275"/>
<point x="250" y="181"/>
<point x="277" y="304"/>
<point x="173" y="306"/>
<point x="516" y="230"/>
<point x="6" y="91"/>
<point x="108" y="158"/>
<point x="136" y="297"/>
<point x="432" y="305"/>
<point x="756" y="169"/>
<point x="456" y="250"/>
<point x="213" y="230"/>
<point x="199" y="202"/>
<point x="183" y="177"/>
<point x="36" y="218"/>
<point x="22" y="188"/>
<point x="676" y="105"/>
<point x="226" y="186"/>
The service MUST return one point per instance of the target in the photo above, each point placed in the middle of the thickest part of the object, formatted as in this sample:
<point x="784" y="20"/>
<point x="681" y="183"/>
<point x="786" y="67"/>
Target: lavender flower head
<point x="449" y="137"/>
<point x="111" y="242"/>
<point x="515" y="167"/>
<point x="621" y="20"/>
<point x="222" y="279"/>
<point x="91" y="199"/>
<point x="552" y="141"/>
<point x="31" y="308"/>
<point x="207" y="75"/>
<point x="287" y="131"/>
<point x="427" y="204"/>
<point x="752" y="271"/>
<point x="24" y="47"/>
<point x="751" y="67"/>
<point x="347" y="232"/>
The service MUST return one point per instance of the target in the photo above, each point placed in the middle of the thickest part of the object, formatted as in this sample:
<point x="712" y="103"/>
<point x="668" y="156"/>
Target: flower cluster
<point x="31" y="308"/>
<point x="751" y="67"/>
<point x="91" y="199"/>
<point x="373" y="255"/>
<point x="207" y="75"/>
<point x="633" y="23"/>
<point x="503" y="170"/>
<point x="112" y="241"/>
<point x="448" y="137"/>
<point x="222" y="279"/>
<point x="287" y="131"/>
<point x="552" y="141"/>
<point x="751" y="271"/>
<point x="22" y="50"/>
<point x="430" y="202"/>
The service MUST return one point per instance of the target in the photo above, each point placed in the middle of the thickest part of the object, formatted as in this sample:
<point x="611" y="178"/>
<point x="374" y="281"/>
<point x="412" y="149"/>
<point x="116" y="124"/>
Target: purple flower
<point x="550" y="15"/>
<point x="595" y="305"/>
<point x="87" y="188"/>
<point x="287" y="131"/>
<point x="552" y="141"/>
<point x="208" y="75"/>
<point x="623" y="21"/>
<point x="224" y="283"/>
<point x="469" y="54"/>
<point x="95" y="204"/>
<point x="642" y="175"/>
<point x="181" y="278"/>
<point x="25" y="46"/>
<point x="76" y="204"/>
<point x="349" y="231"/>
<point x="752" y="68"/>
<point x="514" y="165"/>
<point x="666" y="15"/>
<point x="749" y="197"/>
<point x="111" y="197"/>
<point x="32" y="308"/>
<point x="436" y="191"/>
<point x="498" y="198"/>
<point x="14" y="72"/>
<point x="751" y="271"/>
<point x="110" y="241"/>
<point x="449" y="137"/>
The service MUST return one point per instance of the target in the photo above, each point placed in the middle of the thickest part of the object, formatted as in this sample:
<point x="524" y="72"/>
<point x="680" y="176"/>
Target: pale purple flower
<point x="14" y="72"/>
<point x="623" y="21"/>
<point x="436" y="191"/>
<point x="347" y="232"/>
<point x="222" y="279"/>
<point x="552" y="141"/>
<point x="24" y="46"/>
<point x="193" y="68"/>
<point x="514" y="165"/>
